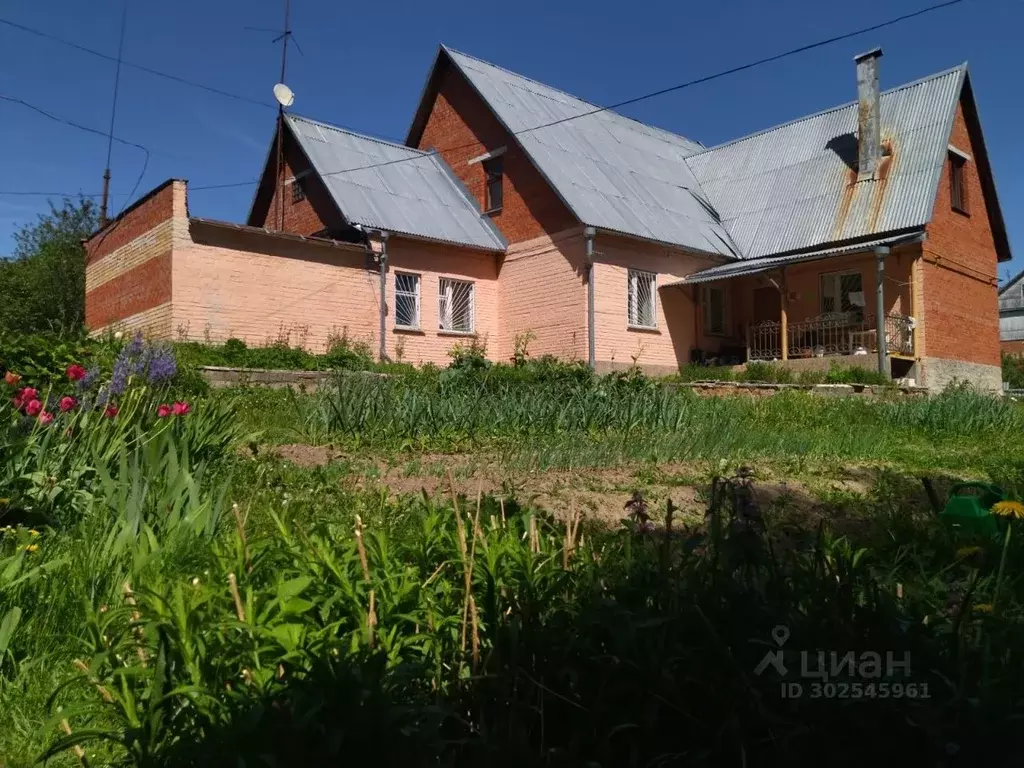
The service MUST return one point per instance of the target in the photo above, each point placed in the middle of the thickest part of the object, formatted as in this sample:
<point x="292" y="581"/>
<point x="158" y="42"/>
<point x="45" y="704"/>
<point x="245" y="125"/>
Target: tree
<point x="43" y="286"/>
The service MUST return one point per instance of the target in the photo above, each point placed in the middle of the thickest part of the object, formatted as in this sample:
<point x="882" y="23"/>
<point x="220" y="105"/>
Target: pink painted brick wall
<point x="665" y="347"/>
<point x="544" y="291"/>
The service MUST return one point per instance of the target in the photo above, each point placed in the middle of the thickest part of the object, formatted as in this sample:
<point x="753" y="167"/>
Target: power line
<point x="113" y="114"/>
<point x="626" y="102"/>
<point x="140" y="67"/>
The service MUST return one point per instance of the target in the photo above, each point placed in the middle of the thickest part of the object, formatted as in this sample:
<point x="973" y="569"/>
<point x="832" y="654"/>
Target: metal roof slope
<point x="612" y="172"/>
<point x="789" y="187"/>
<point x="1011" y="295"/>
<point x="418" y="196"/>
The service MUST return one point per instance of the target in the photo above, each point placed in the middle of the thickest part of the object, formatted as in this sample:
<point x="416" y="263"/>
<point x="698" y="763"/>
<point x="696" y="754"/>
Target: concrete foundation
<point x="940" y="373"/>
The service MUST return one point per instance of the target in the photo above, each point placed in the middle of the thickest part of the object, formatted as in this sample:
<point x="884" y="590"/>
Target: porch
<point x="827" y="307"/>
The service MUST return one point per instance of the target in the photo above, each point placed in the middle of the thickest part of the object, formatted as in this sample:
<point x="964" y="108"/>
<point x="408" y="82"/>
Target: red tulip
<point x="28" y="394"/>
<point x="33" y="408"/>
<point x="180" y="408"/>
<point x="67" y="403"/>
<point x="163" y="411"/>
<point x="45" y="417"/>
<point x="111" y="412"/>
<point x="11" y="379"/>
<point x="75" y="372"/>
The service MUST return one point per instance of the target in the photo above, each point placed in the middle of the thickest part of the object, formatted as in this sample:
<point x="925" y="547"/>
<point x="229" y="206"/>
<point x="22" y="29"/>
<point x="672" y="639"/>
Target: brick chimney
<point x="869" y="138"/>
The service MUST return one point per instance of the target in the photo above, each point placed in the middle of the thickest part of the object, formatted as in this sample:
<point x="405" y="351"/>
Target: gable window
<point x="493" y="171"/>
<point x="641" y="298"/>
<point x="842" y="292"/>
<point x="298" y="191"/>
<point x="713" y="311"/>
<point x="407" y="300"/>
<point x="957" y="186"/>
<point x="455" y="308"/>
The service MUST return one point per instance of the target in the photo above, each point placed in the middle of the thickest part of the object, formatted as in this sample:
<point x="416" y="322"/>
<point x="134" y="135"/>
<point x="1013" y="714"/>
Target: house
<point x="1011" y="316"/>
<point x="868" y="233"/>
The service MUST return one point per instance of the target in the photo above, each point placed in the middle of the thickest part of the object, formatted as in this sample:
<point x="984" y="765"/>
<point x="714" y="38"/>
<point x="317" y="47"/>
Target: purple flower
<point x="162" y="365"/>
<point x="86" y="382"/>
<point x="135" y="347"/>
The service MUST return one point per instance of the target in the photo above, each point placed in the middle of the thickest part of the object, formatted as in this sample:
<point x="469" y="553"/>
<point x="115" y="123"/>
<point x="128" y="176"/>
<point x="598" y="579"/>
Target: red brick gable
<point x="960" y="293"/>
<point x="317" y="212"/>
<point x="461" y="127"/>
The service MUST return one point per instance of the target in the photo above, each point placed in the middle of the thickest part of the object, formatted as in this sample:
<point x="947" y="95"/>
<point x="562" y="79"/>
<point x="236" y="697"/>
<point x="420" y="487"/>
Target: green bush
<point x="42" y="358"/>
<point x="342" y="354"/>
<point x="1013" y="370"/>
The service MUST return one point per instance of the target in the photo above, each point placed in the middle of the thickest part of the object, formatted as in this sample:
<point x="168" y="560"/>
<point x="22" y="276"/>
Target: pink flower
<point x="112" y="411"/>
<point x="67" y="403"/>
<point x="180" y="408"/>
<point x="163" y="411"/>
<point x="27" y="394"/>
<point x="75" y="372"/>
<point x="11" y="379"/>
<point x="45" y="417"/>
<point x="33" y="407"/>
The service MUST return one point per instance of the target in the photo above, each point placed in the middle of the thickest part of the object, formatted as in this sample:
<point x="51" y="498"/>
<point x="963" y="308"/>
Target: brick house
<point x="515" y="210"/>
<point x="1011" y="316"/>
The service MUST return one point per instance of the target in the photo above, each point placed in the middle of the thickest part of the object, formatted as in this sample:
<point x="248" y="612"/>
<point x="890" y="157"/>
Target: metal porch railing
<point x="830" y="335"/>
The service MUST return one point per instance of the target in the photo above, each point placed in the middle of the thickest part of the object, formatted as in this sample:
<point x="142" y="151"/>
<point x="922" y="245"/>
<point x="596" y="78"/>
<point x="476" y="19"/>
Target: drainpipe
<point x="880" y="253"/>
<point x="383" y="256"/>
<point x="588" y="239"/>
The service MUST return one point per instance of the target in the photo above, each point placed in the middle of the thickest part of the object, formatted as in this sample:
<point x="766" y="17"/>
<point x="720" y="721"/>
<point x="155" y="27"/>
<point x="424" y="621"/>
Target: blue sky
<point x="364" y="65"/>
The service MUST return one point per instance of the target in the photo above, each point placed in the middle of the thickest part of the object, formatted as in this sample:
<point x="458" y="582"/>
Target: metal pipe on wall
<point x="383" y="258"/>
<point x="588" y="239"/>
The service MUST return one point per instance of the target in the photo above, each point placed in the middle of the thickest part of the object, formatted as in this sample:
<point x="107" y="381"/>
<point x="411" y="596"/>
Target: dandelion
<point x="195" y="581"/>
<point x="45" y="418"/>
<point x="1011" y="509"/>
<point x="119" y="335"/>
<point x="33" y="532"/>
<point x="32" y="548"/>
<point x="33" y="407"/>
<point x="11" y="379"/>
<point x="75" y="372"/>
<point x="163" y="411"/>
<point x="983" y="608"/>
<point x="111" y="411"/>
<point x="181" y="408"/>
<point x="67" y="403"/>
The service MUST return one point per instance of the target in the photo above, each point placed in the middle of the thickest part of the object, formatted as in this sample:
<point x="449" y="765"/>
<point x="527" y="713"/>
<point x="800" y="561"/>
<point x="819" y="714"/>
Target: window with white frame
<point x="842" y="292"/>
<point x="713" y="308"/>
<point x="407" y="300"/>
<point x="455" y="305"/>
<point x="642" y="299"/>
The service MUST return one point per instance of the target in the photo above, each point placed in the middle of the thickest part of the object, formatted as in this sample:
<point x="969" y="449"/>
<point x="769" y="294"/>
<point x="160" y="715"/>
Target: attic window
<point x="957" y="185"/>
<point x="493" y="171"/>
<point x="298" y="191"/>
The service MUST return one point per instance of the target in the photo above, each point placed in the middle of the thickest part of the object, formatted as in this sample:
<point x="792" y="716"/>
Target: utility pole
<point x="104" y="201"/>
<point x="285" y="34"/>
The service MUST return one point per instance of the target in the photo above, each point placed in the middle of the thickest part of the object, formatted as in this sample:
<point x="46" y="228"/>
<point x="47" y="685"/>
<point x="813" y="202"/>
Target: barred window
<point x="455" y="305"/>
<point x="642" y="299"/>
<point x="407" y="300"/>
<point x="298" y="191"/>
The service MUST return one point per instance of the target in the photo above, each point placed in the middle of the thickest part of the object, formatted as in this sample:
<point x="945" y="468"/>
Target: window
<point x="642" y="299"/>
<point x="298" y="191"/>
<point x="713" y="311"/>
<point x="407" y="300"/>
<point x="455" y="306"/>
<point x="842" y="292"/>
<point x="957" y="187"/>
<point x="493" y="168"/>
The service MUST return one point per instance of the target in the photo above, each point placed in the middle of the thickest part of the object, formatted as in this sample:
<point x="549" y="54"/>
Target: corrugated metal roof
<point x="419" y="196"/>
<point x="1011" y="326"/>
<point x="612" y="172"/>
<point x="789" y="187"/>
<point x="1011" y="295"/>
<point x="766" y="263"/>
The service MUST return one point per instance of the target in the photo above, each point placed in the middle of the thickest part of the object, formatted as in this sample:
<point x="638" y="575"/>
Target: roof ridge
<point x="597" y="107"/>
<point x="962" y="67"/>
<point x="350" y="132"/>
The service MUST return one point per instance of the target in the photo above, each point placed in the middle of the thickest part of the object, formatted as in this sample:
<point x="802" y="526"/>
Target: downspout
<point x="588" y="239"/>
<point x="383" y="258"/>
<point x="881" y="252"/>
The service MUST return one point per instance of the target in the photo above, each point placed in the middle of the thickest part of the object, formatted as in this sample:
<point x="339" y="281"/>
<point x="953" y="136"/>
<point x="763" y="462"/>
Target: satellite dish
<point x="284" y="95"/>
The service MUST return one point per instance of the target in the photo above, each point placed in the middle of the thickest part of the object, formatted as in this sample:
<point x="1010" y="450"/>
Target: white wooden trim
<point x="960" y="153"/>
<point x="487" y="156"/>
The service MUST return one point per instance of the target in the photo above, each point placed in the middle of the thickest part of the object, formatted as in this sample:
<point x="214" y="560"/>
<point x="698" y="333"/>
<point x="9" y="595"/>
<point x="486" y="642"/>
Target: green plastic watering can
<point x="968" y="508"/>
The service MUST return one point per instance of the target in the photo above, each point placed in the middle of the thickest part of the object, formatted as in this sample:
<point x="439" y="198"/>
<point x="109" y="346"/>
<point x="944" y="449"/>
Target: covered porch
<point x="855" y="303"/>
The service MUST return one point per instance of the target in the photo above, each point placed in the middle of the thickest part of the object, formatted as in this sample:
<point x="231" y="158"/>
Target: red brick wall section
<point x="310" y="216"/>
<point x="158" y="207"/>
<point x="460" y="117"/>
<point x="144" y="287"/>
<point x="960" y="295"/>
<point x="1015" y="348"/>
